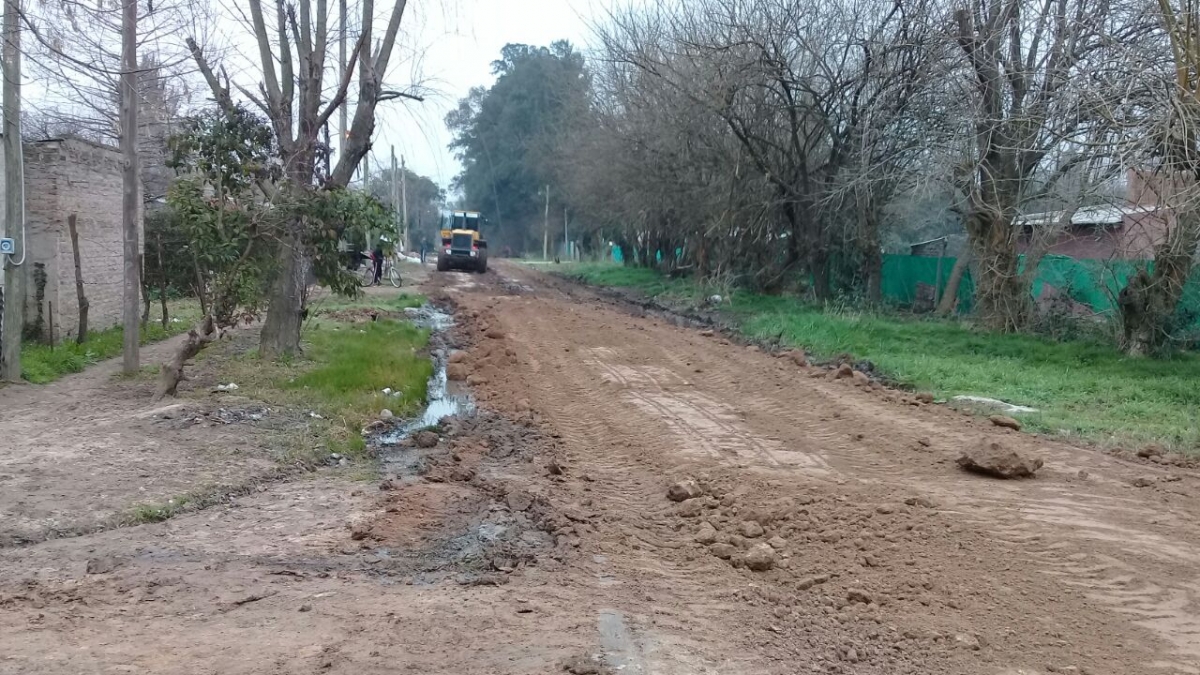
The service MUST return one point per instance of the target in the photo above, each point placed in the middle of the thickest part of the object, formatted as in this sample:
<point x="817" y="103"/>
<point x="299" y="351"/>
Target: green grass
<point x="142" y="514"/>
<point x="41" y="363"/>
<point x="356" y="362"/>
<point x="1082" y="389"/>
<point x="400" y="301"/>
<point x="340" y="377"/>
<point x="643" y="279"/>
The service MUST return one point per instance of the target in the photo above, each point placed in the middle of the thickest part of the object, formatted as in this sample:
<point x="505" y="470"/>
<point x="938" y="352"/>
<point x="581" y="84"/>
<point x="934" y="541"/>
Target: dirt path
<point x="78" y="452"/>
<point x="538" y="536"/>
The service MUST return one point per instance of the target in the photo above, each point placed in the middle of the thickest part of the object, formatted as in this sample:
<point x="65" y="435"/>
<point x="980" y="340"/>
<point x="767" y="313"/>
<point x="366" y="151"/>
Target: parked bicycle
<point x="366" y="275"/>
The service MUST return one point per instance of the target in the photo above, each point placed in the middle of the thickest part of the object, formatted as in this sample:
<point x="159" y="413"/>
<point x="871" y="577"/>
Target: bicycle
<point x="366" y="276"/>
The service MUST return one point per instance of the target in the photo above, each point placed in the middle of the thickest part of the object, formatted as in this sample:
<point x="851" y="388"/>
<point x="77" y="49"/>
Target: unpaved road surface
<point x="537" y="536"/>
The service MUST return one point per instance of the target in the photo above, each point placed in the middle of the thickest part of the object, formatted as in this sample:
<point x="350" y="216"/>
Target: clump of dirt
<point x="1005" y="422"/>
<point x="992" y="458"/>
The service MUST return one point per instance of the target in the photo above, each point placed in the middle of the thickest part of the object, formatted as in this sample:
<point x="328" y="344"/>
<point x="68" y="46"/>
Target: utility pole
<point x="394" y="197"/>
<point x="566" y="237"/>
<point x="404" y="201"/>
<point x="546" y="228"/>
<point x="14" y="210"/>
<point x="130" y="199"/>
<point x="342" y="113"/>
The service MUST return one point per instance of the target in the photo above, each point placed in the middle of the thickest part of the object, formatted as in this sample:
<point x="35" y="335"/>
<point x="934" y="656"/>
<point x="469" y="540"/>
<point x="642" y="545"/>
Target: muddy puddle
<point x="442" y="399"/>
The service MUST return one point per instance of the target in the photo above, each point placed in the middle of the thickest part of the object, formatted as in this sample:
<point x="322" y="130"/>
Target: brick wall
<point x="73" y="176"/>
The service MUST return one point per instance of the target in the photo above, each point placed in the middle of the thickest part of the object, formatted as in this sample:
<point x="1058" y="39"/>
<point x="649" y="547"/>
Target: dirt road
<point x="538" y="536"/>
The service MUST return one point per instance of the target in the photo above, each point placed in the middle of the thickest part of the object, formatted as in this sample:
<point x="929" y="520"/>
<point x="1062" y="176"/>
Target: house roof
<point x="1088" y="215"/>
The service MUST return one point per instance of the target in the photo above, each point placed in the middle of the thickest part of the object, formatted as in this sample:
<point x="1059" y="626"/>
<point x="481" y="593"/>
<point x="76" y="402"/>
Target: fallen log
<point x="171" y="372"/>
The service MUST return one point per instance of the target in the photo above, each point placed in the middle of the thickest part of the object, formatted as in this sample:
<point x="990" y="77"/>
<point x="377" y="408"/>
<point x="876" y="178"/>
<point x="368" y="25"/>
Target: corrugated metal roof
<point x="1088" y="215"/>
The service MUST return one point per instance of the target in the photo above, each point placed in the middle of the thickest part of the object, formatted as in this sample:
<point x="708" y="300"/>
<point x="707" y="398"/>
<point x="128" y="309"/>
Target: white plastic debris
<point x="227" y="387"/>
<point x="387" y="391"/>
<point x="315" y="416"/>
<point x="996" y="403"/>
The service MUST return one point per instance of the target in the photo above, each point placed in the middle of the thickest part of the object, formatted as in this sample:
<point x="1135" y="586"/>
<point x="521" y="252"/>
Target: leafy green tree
<point x="232" y="227"/>
<point x="506" y="137"/>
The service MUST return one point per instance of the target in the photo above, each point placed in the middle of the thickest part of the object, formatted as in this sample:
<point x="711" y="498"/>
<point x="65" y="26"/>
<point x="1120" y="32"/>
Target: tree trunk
<point x="145" y="284"/>
<point x="818" y="264"/>
<point x="1149" y="300"/>
<point x="949" y="300"/>
<point x="201" y="287"/>
<point x="130" y="199"/>
<point x="1001" y="298"/>
<point x="171" y="373"/>
<point x="162" y="281"/>
<point x="874" y="270"/>
<point x="81" y="336"/>
<point x="281" y="329"/>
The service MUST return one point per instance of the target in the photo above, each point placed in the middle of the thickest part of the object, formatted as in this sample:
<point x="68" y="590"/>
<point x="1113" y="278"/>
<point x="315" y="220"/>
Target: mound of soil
<point x="991" y="458"/>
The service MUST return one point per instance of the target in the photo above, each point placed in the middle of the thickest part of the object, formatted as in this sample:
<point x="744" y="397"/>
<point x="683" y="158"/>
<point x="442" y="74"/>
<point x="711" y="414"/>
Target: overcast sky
<point x="446" y="47"/>
<point x="460" y="39"/>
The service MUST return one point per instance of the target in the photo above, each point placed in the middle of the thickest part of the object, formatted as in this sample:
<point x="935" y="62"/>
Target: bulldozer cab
<point x="462" y="220"/>
<point x="461" y="230"/>
<point x="463" y="244"/>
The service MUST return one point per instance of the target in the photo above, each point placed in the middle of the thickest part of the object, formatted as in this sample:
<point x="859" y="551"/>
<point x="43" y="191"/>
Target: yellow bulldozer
<point x="463" y="246"/>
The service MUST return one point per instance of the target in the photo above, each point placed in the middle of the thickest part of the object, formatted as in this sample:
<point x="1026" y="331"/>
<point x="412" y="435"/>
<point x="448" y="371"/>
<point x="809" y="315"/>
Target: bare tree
<point x="810" y="105"/>
<point x="1150" y="299"/>
<point x="293" y="58"/>
<point x="1030" y="74"/>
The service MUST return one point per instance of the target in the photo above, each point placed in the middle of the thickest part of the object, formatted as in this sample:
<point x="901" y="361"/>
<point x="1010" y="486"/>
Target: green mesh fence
<point x="1093" y="283"/>
<point x="905" y="277"/>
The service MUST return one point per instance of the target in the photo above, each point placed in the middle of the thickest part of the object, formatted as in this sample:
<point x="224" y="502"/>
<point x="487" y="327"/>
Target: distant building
<point x="1127" y="231"/>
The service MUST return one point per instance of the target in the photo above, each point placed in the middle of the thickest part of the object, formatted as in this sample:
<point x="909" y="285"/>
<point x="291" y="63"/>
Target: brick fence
<point x="64" y="177"/>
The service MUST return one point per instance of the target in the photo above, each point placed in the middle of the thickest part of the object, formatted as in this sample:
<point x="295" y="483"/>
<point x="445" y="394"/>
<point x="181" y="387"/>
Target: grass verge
<point x="375" y="300"/>
<point x="42" y="363"/>
<point x="1082" y="389"/>
<point x="340" y="380"/>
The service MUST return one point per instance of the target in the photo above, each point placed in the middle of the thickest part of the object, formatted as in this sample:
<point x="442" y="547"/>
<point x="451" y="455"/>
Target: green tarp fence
<point x="1094" y="283"/>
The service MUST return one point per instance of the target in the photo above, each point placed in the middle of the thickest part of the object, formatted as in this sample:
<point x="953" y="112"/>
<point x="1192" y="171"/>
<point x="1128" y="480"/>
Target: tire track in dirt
<point x="641" y="522"/>
<point x="1092" y="538"/>
<point x="1167" y="606"/>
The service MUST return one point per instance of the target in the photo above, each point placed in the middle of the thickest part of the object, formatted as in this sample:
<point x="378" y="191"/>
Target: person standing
<point x="377" y="254"/>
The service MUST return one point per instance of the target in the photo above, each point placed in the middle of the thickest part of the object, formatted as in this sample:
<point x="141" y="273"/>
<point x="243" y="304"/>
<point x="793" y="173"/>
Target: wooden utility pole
<point x="394" y="196"/>
<point x="130" y="202"/>
<point x="404" y="202"/>
<point x="342" y="114"/>
<point x="546" y="228"/>
<point x="14" y="210"/>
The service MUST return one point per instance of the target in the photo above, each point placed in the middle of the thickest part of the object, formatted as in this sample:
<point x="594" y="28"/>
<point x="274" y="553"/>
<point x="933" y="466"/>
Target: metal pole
<point x="14" y="211"/>
<point x="566" y="237"/>
<point x="546" y="228"/>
